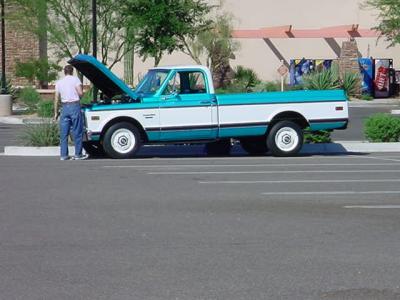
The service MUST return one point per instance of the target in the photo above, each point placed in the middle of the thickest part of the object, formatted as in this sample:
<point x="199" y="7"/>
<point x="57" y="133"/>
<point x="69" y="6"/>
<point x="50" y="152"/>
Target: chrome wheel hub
<point x="123" y="140"/>
<point x="286" y="139"/>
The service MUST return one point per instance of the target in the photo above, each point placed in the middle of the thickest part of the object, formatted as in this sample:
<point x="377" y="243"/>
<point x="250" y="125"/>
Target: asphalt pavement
<point x="160" y="227"/>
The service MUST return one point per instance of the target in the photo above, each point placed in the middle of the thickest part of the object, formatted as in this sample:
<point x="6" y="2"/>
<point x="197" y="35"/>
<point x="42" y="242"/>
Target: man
<point x="69" y="91"/>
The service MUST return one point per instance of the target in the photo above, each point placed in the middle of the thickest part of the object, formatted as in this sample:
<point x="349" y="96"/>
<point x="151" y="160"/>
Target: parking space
<point x="169" y="226"/>
<point x="364" y="175"/>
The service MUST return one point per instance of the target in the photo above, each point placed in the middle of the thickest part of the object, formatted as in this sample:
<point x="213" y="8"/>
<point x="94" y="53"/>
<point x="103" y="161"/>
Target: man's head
<point x="68" y="70"/>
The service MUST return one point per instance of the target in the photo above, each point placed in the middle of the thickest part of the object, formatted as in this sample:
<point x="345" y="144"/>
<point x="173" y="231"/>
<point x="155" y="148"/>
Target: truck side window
<point x="192" y="82"/>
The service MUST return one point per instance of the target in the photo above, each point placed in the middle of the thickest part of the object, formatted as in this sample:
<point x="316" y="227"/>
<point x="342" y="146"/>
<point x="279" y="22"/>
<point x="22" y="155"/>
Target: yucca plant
<point x="245" y="77"/>
<point x="41" y="135"/>
<point x="324" y="80"/>
<point x="350" y="83"/>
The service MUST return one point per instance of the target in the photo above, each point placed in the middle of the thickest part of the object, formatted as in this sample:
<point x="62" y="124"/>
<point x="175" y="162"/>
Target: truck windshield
<point x="152" y="81"/>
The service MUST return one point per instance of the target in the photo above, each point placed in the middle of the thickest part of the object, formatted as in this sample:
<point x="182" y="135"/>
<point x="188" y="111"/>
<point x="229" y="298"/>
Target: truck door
<point x="186" y="108"/>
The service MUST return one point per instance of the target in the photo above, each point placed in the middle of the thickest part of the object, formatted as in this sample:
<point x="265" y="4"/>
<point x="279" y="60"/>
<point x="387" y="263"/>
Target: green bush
<point x="41" y="135"/>
<point x="269" y="86"/>
<point x="30" y="97"/>
<point x="366" y="97"/>
<point x="317" y="137"/>
<point x="351" y="83"/>
<point x="45" y="109"/>
<point x="245" y="77"/>
<point x="324" y="80"/>
<point x="382" y="128"/>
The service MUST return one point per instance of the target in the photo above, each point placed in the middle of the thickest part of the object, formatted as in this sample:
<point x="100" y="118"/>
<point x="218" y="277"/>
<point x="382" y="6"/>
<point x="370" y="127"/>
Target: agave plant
<point x="350" y="83"/>
<point x="324" y="80"/>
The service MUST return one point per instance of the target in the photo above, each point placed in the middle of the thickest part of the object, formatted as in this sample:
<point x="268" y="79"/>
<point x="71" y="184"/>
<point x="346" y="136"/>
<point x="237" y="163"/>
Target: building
<point x="307" y="14"/>
<point x="20" y="46"/>
<point x="256" y="53"/>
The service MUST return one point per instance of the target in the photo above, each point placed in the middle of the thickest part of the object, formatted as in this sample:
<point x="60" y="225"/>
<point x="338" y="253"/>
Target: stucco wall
<point x="305" y="14"/>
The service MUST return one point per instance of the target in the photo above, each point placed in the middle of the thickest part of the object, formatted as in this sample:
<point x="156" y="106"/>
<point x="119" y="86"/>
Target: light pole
<point x="5" y="99"/>
<point x="94" y="41"/>
<point x="3" y="52"/>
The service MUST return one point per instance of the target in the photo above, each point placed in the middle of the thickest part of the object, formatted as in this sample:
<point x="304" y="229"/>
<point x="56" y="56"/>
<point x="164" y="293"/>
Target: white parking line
<point x="300" y="181"/>
<point x="372" y="206"/>
<point x="332" y="193"/>
<point x="383" y="158"/>
<point x="273" y="172"/>
<point x="255" y="165"/>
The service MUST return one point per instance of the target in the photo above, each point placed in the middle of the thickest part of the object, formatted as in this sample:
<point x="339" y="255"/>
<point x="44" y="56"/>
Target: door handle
<point x="205" y="102"/>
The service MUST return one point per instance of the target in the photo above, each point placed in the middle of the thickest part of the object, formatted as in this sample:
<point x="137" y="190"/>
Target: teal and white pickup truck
<point x="179" y="105"/>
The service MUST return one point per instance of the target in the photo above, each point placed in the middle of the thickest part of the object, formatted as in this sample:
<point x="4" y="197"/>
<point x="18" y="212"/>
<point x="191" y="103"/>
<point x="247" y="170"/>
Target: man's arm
<point x="79" y="90"/>
<point x="56" y="101"/>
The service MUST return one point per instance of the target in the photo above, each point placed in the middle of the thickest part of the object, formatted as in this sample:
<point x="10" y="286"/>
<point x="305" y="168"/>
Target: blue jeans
<point x="71" y="119"/>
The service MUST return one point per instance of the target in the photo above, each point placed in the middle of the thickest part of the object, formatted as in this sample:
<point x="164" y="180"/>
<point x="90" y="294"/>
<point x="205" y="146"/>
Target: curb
<point x="331" y="148"/>
<point x="34" y="151"/>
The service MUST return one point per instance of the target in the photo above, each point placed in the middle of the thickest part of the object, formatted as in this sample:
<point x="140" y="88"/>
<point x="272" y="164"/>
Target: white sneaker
<point x="65" y="158"/>
<point x="80" y="157"/>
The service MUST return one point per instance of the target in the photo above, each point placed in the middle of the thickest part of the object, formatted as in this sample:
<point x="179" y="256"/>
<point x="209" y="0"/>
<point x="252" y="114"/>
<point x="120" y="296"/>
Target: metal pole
<point x="94" y="36"/>
<point x="3" y="52"/>
<point x="94" y="27"/>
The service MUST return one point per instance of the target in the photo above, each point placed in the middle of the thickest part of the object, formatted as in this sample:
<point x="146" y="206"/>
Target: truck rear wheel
<point x="285" y="139"/>
<point x="122" y="140"/>
<point x="219" y="148"/>
<point x="254" y="145"/>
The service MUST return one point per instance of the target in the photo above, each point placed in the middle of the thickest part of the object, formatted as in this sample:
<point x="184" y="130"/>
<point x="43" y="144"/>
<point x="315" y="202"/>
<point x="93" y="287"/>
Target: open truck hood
<point x="101" y="76"/>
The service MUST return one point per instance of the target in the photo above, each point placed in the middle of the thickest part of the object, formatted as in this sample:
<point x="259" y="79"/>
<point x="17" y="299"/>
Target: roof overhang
<point x="287" y="31"/>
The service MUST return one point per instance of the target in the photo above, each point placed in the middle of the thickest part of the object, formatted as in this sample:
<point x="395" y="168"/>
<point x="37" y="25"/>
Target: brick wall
<point x="20" y="46"/>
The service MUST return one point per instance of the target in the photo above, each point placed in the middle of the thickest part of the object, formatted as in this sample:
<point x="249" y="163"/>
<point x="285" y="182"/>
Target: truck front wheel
<point x="285" y="139"/>
<point x="122" y="140"/>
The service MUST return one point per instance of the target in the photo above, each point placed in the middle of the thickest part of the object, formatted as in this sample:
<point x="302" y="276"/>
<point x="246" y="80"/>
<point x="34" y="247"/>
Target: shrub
<point x="269" y="86"/>
<point x="382" y="128"/>
<point x="30" y="97"/>
<point x="350" y="83"/>
<point x="41" y="135"/>
<point x="366" y="97"/>
<point x="317" y="137"/>
<point x="10" y="89"/>
<point x="245" y="77"/>
<point x="327" y="79"/>
<point x="45" y="109"/>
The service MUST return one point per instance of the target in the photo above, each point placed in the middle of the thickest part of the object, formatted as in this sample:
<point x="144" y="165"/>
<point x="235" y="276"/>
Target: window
<point x="152" y="81"/>
<point x="187" y="82"/>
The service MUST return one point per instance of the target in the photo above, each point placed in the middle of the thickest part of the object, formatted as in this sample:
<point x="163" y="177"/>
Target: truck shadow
<point x="198" y="150"/>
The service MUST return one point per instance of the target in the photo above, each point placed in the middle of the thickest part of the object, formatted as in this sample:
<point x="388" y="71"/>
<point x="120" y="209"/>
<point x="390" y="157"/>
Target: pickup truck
<point x="178" y="104"/>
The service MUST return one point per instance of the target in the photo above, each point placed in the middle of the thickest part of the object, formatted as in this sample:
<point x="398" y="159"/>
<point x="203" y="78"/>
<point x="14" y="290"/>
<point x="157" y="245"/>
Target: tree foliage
<point x="69" y="30"/>
<point x="37" y="69"/>
<point x="215" y="48"/>
<point x="214" y="45"/>
<point x="389" y="18"/>
<point x="163" y="25"/>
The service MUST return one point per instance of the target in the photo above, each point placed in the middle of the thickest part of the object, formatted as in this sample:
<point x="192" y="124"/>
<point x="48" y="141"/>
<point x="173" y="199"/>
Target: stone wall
<point x="348" y="61"/>
<point x="20" y="46"/>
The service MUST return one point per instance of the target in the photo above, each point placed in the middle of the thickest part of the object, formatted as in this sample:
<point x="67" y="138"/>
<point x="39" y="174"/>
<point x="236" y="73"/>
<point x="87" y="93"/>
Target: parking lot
<point x="186" y="226"/>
